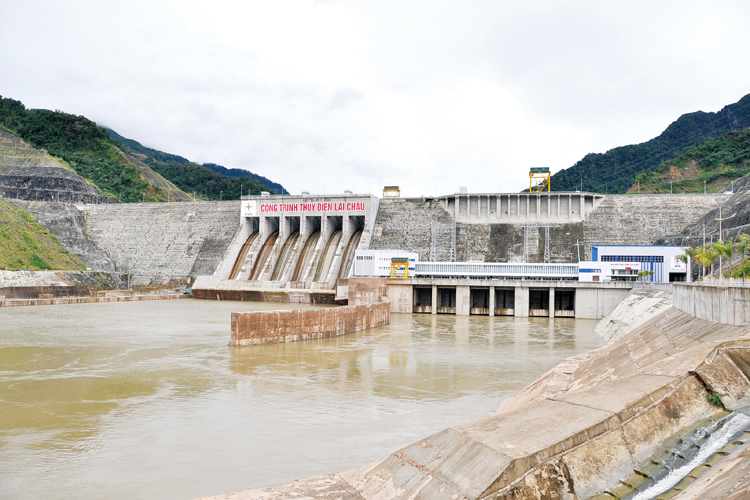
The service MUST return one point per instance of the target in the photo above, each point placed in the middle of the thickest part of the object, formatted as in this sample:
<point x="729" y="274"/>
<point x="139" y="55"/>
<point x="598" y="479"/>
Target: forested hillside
<point x="716" y="161"/>
<point x="236" y="173"/>
<point x="88" y="150"/>
<point x="208" y="181"/>
<point x="617" y="169"/>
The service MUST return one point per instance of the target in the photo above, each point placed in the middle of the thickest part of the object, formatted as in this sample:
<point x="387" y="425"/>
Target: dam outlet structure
<point x="292" y="248"/>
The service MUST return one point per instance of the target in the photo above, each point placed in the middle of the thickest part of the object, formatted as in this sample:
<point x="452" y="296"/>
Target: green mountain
<point x="26" y="244"/>
<point x="146" y="155"/>
<point x="235" y="173"/>
<point x="716" y="161"/>
<point x="208" y="181"/>
<point x="88" y="150"/>
<point x="616" y="169"/>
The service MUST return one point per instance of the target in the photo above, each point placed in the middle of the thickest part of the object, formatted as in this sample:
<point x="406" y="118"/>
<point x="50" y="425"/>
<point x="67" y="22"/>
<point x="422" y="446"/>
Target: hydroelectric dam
<point x="301" y="248"/>
<point x="292" y="248"/>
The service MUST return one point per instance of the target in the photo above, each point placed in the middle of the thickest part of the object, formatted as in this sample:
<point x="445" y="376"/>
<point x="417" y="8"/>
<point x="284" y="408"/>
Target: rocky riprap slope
<point x="159" y="243"/>
<point x="31" y="174"/>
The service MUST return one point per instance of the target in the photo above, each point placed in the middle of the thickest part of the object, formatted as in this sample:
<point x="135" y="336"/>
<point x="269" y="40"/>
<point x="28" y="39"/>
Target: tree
<point x="691" y="254"/>
<point x="743" y="248"/>
<point x="710" y="254"/>
<point x="726" y="249"/>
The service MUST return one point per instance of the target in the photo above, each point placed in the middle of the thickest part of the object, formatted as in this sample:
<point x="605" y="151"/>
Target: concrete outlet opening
<point x="565" y="303"/>
<point x="505" y="301"/>
<point x="539" y="302"/>
<point x="423" y="299"/>
<point x="479" y="301"/>
<point x="446" y="300"/>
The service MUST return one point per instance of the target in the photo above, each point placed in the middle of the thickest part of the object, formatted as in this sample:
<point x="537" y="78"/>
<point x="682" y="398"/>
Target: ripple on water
<point x="145" y="399"/>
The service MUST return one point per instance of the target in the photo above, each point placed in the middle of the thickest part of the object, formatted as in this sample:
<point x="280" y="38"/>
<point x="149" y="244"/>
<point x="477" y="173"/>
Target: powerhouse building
<point x="666" y="262"/>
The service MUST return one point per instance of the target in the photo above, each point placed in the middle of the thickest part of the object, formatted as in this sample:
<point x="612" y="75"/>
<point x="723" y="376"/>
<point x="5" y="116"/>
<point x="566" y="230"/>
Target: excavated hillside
<point x="734" y="215"/>
<point x="32" y="174"/>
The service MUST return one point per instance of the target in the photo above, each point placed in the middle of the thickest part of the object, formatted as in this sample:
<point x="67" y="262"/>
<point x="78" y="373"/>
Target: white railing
<point x="496" y="270"/>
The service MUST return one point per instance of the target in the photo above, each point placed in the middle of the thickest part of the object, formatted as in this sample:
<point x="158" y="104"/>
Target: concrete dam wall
<point x="309" y="242"/>
<point x="564" y="223"/>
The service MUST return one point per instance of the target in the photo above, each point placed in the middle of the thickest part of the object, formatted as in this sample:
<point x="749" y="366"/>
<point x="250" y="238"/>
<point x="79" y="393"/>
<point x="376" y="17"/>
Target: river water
<point x="143" y="400"/>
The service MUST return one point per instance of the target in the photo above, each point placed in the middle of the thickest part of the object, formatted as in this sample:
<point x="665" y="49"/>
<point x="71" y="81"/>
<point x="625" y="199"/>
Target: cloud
<point x="424" y="95"/>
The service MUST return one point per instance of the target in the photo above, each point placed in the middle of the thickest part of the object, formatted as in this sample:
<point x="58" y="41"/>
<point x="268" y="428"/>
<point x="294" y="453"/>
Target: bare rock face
<point x="33" y="175"/>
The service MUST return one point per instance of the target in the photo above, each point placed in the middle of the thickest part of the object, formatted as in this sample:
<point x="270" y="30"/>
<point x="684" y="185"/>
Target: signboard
<point x="677" y="266"/>
<point x="301" y="208"/>
<point x="249" y="208"/>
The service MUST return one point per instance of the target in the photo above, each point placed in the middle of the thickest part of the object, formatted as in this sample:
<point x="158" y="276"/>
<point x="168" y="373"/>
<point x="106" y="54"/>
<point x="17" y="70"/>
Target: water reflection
<point x="144" y="400"/>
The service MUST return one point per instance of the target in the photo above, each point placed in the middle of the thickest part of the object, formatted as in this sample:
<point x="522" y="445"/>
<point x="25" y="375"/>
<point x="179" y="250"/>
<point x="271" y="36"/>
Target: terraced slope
<point x="31" y="174"/>
<point x="26" y="244"/>
<point x="88" y="150"/>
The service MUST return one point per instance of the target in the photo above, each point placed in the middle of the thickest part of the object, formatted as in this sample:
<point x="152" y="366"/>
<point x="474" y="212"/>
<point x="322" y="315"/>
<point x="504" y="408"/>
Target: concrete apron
<point x="612" y="415"/>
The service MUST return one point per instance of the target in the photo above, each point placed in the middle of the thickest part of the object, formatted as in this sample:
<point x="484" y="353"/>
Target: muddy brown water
<point x="145" y="400"/>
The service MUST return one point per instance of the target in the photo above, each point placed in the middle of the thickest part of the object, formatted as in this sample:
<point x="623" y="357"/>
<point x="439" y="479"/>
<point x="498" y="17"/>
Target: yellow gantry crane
<point x="539" y="179"/>
<point x="391" y="192"/>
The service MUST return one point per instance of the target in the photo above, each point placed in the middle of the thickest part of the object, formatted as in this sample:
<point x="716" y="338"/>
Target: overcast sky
<point x="329" y="95"/>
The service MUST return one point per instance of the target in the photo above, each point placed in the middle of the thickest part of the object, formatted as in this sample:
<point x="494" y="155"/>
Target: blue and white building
<point x="665" y="262"/>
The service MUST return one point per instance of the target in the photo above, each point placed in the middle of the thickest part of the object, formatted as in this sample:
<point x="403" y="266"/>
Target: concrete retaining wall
<point x="642" y="305"/>
<point x="266" y="327"/>
<point x="728" y="304"/>
<point x="48" y="301"/>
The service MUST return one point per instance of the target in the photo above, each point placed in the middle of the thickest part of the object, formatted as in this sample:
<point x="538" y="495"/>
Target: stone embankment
<point x="32" y="288"/>
<point x="28" y="283"/>
<point x="636" y="309"/>
<point x="159" y="243"/>
<point x="369" y="307"/>
<point x="577" y="432"/>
